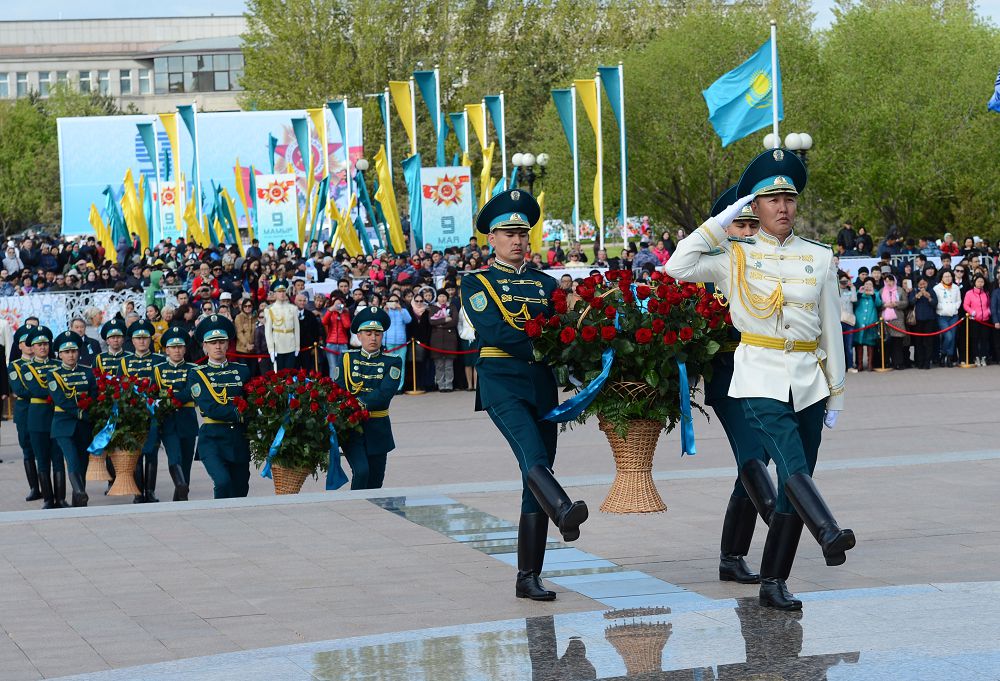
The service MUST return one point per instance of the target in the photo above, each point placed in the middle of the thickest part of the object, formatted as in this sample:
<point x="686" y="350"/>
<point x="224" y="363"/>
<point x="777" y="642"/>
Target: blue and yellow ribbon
<point x="574" y="406"/>
<point x="335" y="475"/>
<point x="687" y="423"/>
<point x="103" y="437"/>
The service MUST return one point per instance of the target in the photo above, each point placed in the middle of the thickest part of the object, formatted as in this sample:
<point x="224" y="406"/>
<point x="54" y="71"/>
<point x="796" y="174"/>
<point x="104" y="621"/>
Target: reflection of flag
<point x="994" y="103"/>
<point x="739" y="102"/>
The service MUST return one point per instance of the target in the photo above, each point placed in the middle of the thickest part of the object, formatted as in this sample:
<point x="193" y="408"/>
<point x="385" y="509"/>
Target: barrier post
<point x="881" y="341"/>
<point x="316" y="356"/>
<point x="968" y="332"/>
<point x="413" y="365"/>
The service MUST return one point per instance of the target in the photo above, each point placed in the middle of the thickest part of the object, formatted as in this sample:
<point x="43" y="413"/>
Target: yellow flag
<point x="102" y="233"/>
<point x="191" y="220"/>
<point x="535" y="236"/>
<point x="474" y="114"/>
<point x="318" y="117"/>
<point x="169" y="121"/>
<point x="484" y="175"/>
<point x="587" y="89"/>
<point x="135" y="218"/>
<point x="236" y="225"/>
<point x="242" y="193"/>
<point x="400" y="91"/>
<point x="387" y="199"/>
<point x="346" y="235"/>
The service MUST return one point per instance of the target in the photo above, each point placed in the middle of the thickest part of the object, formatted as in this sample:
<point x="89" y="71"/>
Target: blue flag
<point x="411" y="171"/>
<point x="739" y="103"/>
<point x="994" y="103"/>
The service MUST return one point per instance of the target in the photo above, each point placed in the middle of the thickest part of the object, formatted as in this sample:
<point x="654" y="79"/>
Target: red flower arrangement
<point x="651" y="327"/>
<point x="133" y="397"/>
<point x="312" y="404"/>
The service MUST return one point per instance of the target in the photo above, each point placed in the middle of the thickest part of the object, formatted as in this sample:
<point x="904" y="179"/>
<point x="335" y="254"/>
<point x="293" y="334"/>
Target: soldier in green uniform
<point x="753" y="491"/>
<point x="222" y="440"/>
<point x="110" y="361"/>
<point x="72" y="431"/>
<point x="140" y="364"/>
<point x="48" y="459"/>
<point x="515" y="389"/>
<point x="19" y="389"/>
<point x="179" y="431"/>
<point x="373" y="377"/>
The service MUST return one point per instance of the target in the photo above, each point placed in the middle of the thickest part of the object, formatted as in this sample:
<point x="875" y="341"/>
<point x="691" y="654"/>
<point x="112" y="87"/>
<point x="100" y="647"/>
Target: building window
<point x="45" y="83"/>
<point x="22" y="84"/>
<point x="104" y="82"/>
<point x="125" y="81"/>
<point x="86" y="83"/>
<point x="62" y="78"/>
<point x="4" y="86"/>
<point x="145" y="81"/>
<point x="198" y="73"/>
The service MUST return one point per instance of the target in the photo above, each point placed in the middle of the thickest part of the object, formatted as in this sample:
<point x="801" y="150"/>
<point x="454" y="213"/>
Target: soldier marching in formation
<point x="373" y="377"/>
<point x="178" y="431"/>
<point x="140" y="365"/>
<point x="515" y="389"/>
<point x="48" y="459"/>
<point x="71" y="429"/>
<point x="19" y="389"/>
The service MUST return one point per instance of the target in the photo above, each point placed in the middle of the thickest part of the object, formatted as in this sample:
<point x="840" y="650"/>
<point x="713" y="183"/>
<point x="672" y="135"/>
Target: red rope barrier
<point x="933" y="333"/>
<point x="848" y="333"/>
<point x="980" y="321"/>
<point x="445" y="352"/>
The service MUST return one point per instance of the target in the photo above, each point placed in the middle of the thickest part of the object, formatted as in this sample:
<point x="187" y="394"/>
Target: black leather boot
<point x="31" y="472"/>
<point x="110" y="467"/>
<point x="567" y="515"/>
<point x="531" y="539"/>
<point x="758" y="484"/>
<point x="816" y="515"/>
<point x="45" y="485"/>
<point x="59" y="489"/>
<point x="149" y="480"/>
<point x="776" y="563"/>
<point x="180" y="484"/>
<point x="139" y="498"/>
<point x="79" y="486"/>
<point x="737" y="533"/>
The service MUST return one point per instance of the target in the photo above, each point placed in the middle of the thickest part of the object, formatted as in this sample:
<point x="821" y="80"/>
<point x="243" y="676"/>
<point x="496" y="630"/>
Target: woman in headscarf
<point x="894" y="304"/>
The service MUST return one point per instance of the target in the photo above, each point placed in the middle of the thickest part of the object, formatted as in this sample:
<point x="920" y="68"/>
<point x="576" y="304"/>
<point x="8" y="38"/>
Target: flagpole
<point x="576" y="169"/>
<point x="388" y="130"/>
<point x="347" y="153"/>
<point x="621" y="143"/>
<point x="503" y="138"/>
<point x="437" y="123"/>
<point x="197" y="165"/>
<point x="774" y="82"/>
<point x="413" y="118"/>
<point x="156" y="168"/>
<point x="486" y="133"/>
<point x="465" y="127"/>
<point x="600" y="164"/>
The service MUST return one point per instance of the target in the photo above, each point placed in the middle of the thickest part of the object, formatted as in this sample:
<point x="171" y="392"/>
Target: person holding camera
<point x="337" y="325"/>
<point x="394" y="341"/>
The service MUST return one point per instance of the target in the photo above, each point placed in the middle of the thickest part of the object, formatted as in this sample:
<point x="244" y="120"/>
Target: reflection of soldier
<point x="546" y="665"/>
<point x="773" y="643"/>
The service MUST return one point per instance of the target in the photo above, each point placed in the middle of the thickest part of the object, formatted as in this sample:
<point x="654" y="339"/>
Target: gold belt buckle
<point x="789" y="345"/>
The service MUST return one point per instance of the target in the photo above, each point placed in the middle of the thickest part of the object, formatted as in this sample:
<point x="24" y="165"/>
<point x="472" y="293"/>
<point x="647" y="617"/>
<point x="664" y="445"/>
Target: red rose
<point x="674" y="297"/>
<point x="729" y="319"/>
<point x="313" y="393"/>
<point x="687" y="333"/>
<point x="272" y="403"/>
<point x="300" y="389"/>
<point x="626" y="275"/>
<point x="116" y="394"/>
<point x="598" y="303"/>
<point x="314" y="407"/>
<point x="652" y="307"/>
<point x="624" y="285"/>
<point x="259" y="402"/>
<point x="588" y="333"/>
<point x="294" y="403"/>
<point x="584" y="291"/>
<point x="240" y="404"/>
<point x="627" y="297"/>
<point x="561" y="306"/>
<point x="610" y="311"/>
<point x="658" y="325"/>
<point x="670" y="337"/>
<point x="612" y="275"/>
<point x="102" y="397"/>
<point x="663" y="307"/>
<point x="662" y="291"/>
<point x="354" y="417"/>
<point x="331" y="418"/>
<point x="642" y="292"/>
<point x="667" y="279"/>
<point x="279" y="389"/>
<point x="553" y="323"/>
<point x="567" y="335"/>
<point x="608" y="333"/>
<point x="532" y="328"/>
<point x="714" y="322"/>
<point x="656" y="276"/>
<point x="643" y="336"/>
<point x="559" y="294"/>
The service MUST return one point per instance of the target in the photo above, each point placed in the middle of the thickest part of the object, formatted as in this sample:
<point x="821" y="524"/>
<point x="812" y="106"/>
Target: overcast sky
<point x="100" y="9"/>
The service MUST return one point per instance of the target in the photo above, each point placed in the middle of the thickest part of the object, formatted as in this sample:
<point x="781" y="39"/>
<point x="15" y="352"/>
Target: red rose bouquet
<point x="307" y="405"/>
<point x="650" y="326"/>
<point x="125" y="401"/>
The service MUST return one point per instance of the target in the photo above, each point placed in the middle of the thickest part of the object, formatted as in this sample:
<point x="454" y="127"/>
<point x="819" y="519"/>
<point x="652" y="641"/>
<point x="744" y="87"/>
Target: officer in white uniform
<point x="789" y="366"/>
<point x="281" y="328"/>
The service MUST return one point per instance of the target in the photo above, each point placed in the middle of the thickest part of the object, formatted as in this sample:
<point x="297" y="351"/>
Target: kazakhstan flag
<point x="739" y="103"/>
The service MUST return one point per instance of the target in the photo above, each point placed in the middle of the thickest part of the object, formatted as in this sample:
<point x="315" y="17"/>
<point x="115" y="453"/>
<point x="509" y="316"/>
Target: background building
<point x="153" y="63"/>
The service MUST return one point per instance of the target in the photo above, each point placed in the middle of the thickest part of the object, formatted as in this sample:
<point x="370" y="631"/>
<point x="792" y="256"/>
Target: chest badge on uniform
<point x="541" y="292"/>
<point x="196" y="390"/>
<point x="478" y="301"/>
<point x="380" y="369"/>
<point x="394" y="373"/>
<point x="53" y="385"/>
<point x="505" y="287"/>
<point x="809" y="269"/>
<point x="13" y="375"/>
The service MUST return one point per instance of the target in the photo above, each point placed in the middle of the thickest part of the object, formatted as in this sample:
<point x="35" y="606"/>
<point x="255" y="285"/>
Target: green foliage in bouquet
<point x="133" y="397"/>
<point x="651" y="327"/>
<point x="306" y="404"/>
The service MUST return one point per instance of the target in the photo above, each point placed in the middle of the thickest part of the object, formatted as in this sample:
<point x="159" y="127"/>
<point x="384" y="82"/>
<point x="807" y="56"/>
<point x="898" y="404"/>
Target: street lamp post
<point x="799" y="142"/>
<point x="362" y="165"/>
<point x="526" y="161"/>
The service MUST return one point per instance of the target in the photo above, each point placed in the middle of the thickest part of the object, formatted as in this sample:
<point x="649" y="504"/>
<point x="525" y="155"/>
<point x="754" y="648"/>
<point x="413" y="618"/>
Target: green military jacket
<point x="65" y="386"/>
<point x="373" y="379"/>
<point x="19" y="388"/>
<point x="184" y="421"/>
<point x="498" y="302"/>
<point x="37" y="376"/>
<point x="110" y="363"/>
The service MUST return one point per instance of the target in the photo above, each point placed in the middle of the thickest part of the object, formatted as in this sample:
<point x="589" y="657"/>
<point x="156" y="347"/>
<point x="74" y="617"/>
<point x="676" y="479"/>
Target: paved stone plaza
<point x="416" y="580"/>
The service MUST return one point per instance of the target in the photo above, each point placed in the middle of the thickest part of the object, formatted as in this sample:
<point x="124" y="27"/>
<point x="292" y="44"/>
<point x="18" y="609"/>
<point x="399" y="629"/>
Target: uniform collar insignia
<point x="178" y="364"/>
<point x="67" y="367"/>
<point x="372" y="355"/>
<point x="773" y="240"/>
<point x="217" y="366"/>
<point x="505" y="267"/>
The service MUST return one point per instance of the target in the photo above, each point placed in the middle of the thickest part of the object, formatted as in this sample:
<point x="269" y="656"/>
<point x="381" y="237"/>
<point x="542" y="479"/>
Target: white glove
<point x="830" y="419"/>
<point x="730" y="212"/>
<point x="274" y="359"/>
<point x="296" y="353"/>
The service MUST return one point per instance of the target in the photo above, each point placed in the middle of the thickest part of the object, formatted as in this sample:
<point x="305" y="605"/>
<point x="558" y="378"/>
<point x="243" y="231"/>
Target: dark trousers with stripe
<point x="180" y="451"/>
<point x="743" y="438"/>
<point x="791" y="437"/>
<point x="532" y="440"/>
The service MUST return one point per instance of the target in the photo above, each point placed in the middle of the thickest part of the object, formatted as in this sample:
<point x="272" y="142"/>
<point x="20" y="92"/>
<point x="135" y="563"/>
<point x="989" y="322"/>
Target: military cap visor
<point x="370" y="319"/>
<point x="280" y="285"/>
<point x="775" y="171"/>
<point x="21" y="335"/>
<point x="728" y="198"/>
<point x="67" y="340"/>
<point x="39" y="335"/>
<point x="214" y="328"/>
<point x="514" y="209"/>
<point x="141" y="329"/>
<point x="174" y="336"/>
<point x="115" y="327"/>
